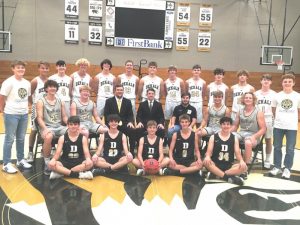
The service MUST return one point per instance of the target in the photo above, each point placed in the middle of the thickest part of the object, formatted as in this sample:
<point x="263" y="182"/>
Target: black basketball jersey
<point x="150" y="150"/>
<point x="184" y="148"/>
<point x="113" y="147"/>
<point x="72" y="151"/>
<point x="223" y="151"/>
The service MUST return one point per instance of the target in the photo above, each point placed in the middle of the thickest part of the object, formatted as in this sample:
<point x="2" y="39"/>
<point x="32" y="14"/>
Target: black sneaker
<point x="244" y="176"/>
<point x="235" y="180"/>
<point x="98" y="172"/>
<point x="167" y="172"/>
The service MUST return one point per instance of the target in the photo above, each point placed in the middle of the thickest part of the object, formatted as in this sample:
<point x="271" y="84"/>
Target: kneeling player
<point x="183" y="149"/>
<point x="112" y="152"/>
<point x="72" y="149"/>
<point x="222" y="148"/>
<point x="150" y="146"/>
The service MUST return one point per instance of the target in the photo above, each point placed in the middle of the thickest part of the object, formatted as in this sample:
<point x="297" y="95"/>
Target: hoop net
<point x="279" y="64"/>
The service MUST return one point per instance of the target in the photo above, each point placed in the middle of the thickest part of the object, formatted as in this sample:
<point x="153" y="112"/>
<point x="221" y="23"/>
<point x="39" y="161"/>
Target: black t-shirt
<point x="149" y="149"/>
<point x="180" y="110"/>
<point x="72" y="150"/>
<point x="223" y="151"/>
<point x="113" y="147"/>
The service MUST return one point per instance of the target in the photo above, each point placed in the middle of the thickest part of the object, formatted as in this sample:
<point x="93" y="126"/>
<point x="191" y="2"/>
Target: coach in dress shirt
<point x="121" y="106"/>
<point x="150" y="110"/>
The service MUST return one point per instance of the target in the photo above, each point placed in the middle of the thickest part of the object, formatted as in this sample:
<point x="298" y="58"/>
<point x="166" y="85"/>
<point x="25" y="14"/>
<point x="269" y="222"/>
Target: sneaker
<point x="98" y="172"/>
<point x="30" y="157"/>
<point x="267" y="164"/>
<point x="275" y="171"/>
<point x="86" y="175"/>
<point x="236" y="180"/>
<point x="286" y="173"/>
<point x="167" y="171"/>
<point x="47" y="171"/>
<point x="55" y="175"/>
<point x="244" y="176"/>
<point x="24" y="164"/>
<point x="9" y="168"/>
<point x="140" y="172"/>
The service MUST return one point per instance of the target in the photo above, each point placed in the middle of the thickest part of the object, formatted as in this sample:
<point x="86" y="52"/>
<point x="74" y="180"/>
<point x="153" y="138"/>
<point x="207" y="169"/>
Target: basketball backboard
<point x="271" y="55"/>
<point x="5" y="41"/>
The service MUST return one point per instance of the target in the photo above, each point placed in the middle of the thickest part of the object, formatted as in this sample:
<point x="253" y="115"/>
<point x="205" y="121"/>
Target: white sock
<point x="47" y="160"/>
<point x="268" y="157"/>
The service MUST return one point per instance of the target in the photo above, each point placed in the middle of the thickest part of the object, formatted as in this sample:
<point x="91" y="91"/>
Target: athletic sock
<point x="74" y="174"/>
<point x="268" y="157"/>
<point x="47" y="160"/>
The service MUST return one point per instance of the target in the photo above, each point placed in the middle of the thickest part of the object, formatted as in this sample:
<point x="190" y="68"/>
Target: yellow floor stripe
<point x="17" y="188"/>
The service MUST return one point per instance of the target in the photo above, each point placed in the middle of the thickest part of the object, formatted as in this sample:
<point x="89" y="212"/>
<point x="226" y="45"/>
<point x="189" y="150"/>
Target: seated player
<point x="86" y="110"/>
<point x="183" y="149"/>
<point x="72" y="150"/>
<point x="219" y="158"/>
<point x="112" y="153"/>
<point x="150" y="146"/>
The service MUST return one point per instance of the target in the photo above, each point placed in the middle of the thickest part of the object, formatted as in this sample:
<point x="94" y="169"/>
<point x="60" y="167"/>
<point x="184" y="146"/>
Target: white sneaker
<point x="55" y="175"/>
<point x="23" y="163"/>
<point x="9" y="168"/>
<point x="30" y="157"/>
<point x="286" y="173"/>
<point x="140" y="172"/>
<point x="86" y="175"/>
<point x="161" y="172"/>
<point x="267" y="164"/>
<point x="275" y="171"/>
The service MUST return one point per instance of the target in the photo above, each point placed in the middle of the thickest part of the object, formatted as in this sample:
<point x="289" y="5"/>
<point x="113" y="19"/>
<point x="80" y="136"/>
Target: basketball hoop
<point x="279" y="64"/>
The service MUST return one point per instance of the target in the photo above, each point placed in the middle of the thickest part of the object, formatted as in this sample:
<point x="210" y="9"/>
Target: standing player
<point x="219" y="158"/>
<point x="183" y="150"/>
<point x="72" y="149"/>
<point x="103" y="85"/>
<point x="173" y="87"/>
<point x="150" y="147"/>
<point x="265" y="96"/>
<point x="151" y="81"/>
<point x="37" y="92"/>
<point x="112" y="153"/>
<point x="64" y="82"/>
<point x="80" y="77"/>
<point x="238" y="90"/>
<point x="196" y="86"/>
<point x="130" y="83"/>
<point x="217" y="85"/>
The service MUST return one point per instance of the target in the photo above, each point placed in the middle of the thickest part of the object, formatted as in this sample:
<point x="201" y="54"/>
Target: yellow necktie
<point x="119" y="104"/>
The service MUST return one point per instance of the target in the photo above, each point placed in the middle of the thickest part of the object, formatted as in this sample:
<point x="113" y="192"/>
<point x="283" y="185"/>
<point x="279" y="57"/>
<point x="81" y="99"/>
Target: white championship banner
<point x="182" y="40"/>
<point x="72" y="9"/>
<point x="204" y="40"/>
<point x="183" y="14"/>
<point x="205" y="16"/>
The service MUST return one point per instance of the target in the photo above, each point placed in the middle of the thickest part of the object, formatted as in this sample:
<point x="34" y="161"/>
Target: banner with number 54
<point x="183" y="14"/>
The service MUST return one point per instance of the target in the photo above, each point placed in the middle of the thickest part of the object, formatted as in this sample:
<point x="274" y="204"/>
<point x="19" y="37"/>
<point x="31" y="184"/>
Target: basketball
<point x="151" y="166"/>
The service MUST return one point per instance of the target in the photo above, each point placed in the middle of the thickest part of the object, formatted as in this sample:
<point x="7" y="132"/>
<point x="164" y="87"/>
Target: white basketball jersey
<point x="195" y="88"/>
<point x="151" y="82"/>
<point x="264" y="103"/>
<point x="106" y="85"/>
<point x="173" y="90"/>
<point x="39" y="91"/>
<point x="63" y="91"/>
<point x="237" y="92"/>
<point x="216" y="87"/>
<point x="79" y="81"/>
<point x="129" y="85"/>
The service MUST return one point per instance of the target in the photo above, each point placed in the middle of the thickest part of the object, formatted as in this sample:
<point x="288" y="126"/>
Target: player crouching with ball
<point x="150" y="157"/>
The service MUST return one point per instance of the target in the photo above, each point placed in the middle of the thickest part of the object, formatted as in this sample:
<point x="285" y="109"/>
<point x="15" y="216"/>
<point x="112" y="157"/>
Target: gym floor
<point x="28" y="197"/>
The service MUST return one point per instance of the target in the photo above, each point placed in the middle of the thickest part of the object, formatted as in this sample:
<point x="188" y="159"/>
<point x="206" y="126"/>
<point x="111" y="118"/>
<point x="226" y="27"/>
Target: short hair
<point x="106" y="61"/>
<point x="219" y="71"/>
<point x="82" y="61"/>
<point x="84" y="87"/>
<point x="266" y="76"/>
<point x="50" y="83"/>
<point x="226" y="119"/>
<point x="288" y="76"/>
<point x="150" y="89"/>
<point x="60" y="63"/>
<point x="186" y="94"/>
<point x="152" y="63"/>
<point x="184" y="117"/>
<point x="43" y="63"/>
<point x="242" y="72"/>
<point x="17" y="63"/>
<point x="253" y="96"/>
<point x="118" y="86"/>
<point x="217" y="93"/>
<point x="197" y="66"/>
<point x="151" y="123"/>
<point x="74" y="120"/>
<point x="129" y="60"/>
<point x="113" y="117"/>
<point x="290" y="72"/>
<point x="172" y="68"/>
